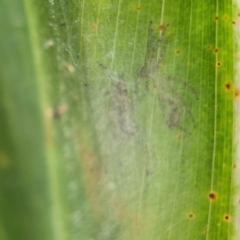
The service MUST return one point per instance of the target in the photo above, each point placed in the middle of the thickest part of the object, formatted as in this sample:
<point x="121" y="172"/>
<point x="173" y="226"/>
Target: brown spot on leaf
<point x="190" y="215"/>
<point x="139" y="8"/>
<point x="216" y="50"/>
<point x="178" y="51"/>
<point x="161" y="27"/>
<point x="212" y="196"/>
<point x="219" y="64"/>
<point x="216" y="18"/>
<point x="237" y="92"/>
<point x="234" y="166"/>
<point x="226" y="218"/>
<point x="228" y="86"/>
<point x="233" y="22"/>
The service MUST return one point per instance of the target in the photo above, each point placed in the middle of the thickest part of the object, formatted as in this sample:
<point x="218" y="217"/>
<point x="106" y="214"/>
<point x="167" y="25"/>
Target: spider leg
<point x="189" y="86"/>
<point x="171" y="107"/>
<point x="152" y="63"/>
<point x="186" y="106"/>
<point x="162" y="54"/>
<point x="160" y="39"/>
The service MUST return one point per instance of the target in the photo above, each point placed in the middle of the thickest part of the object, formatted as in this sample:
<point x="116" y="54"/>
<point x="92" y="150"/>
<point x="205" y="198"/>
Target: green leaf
<point x="116" y="120"/>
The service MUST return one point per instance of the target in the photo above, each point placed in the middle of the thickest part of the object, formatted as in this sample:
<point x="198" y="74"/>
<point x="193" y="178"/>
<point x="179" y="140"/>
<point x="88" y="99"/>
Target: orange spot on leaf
<point x="237" y="92"/>
<point x="212" y="196"/>
<point x="228" y="86"/>
<point x="161" y="27"/>
<point x="227" y="218"/>
<point x="190" y="215"/>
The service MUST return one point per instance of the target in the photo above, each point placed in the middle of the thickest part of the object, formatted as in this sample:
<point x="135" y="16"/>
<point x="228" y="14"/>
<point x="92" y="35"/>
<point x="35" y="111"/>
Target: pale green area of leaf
<point x="79" y="159"/>
<point x="236" y="137"/>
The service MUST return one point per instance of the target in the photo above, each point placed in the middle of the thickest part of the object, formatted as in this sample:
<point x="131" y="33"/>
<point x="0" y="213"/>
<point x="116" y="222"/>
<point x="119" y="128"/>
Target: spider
<point x="170" y="100"/>
<point x="122" y="102"/>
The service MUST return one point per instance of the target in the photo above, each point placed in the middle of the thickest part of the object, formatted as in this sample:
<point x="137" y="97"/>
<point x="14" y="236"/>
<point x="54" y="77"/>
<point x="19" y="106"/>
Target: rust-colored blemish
<point x="212" y="196"/>
<point x="209" y="47"/>
<point x="93" y="26"/>
<point x="216" y="50"/>
<point x="235" y="166"/>
<point x="233" y="22"/>
<point x="228" y="86"/>
<point x="161" y="27"/>
<point x="4" y="161"/>
<point x="178" y="51"/>
<point x="190" y="215"/>
<point x="237" y="92"/>
<point x="219" y="64"/>
<point x="139" y="8"/>
<point x="226" y="218"/>
<point x="238" y="14"/>
<point x="216" y="18"/>
<point x="225" y="18"/>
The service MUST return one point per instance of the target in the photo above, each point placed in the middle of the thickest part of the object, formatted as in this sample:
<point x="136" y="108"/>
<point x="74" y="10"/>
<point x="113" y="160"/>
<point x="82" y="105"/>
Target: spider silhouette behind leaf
<point x="172" y="102"/>
<point x="121" y="102"/>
